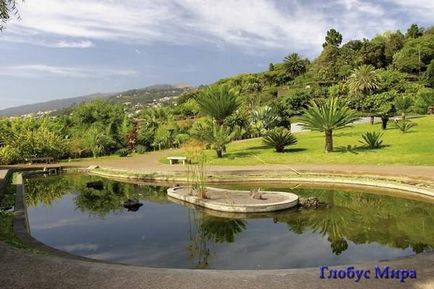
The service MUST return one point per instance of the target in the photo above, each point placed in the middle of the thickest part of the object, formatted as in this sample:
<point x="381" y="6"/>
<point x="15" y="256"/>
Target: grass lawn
<point x="413" y="148"/>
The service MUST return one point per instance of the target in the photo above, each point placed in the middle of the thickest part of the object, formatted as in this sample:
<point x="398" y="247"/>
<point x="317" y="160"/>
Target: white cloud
<point x="42" y="70"/>
<point x="259" y="24"/>
<point x="71" y="44"/>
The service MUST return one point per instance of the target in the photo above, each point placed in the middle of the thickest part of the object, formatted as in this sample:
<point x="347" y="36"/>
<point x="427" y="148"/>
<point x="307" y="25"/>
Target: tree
<point x="294" y="65"/>
<point x="327" y="117"/>
<point x="7" y="8"/>
<point x="218" y="137"/>
<point x="414" y="31"/>
<point x="333" y="38"/>
<point x="403" y="104"/>
<point x="363" y="81"/>
<point x="429" y="74"/>
<point x="416" y="55"/>
<point x="218" y="102"/>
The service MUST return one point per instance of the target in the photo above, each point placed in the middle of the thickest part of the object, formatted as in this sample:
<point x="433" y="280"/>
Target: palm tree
<point x="403" y="104"/>
<point x="364" y="80"/>
<point x="326" y="117"/>
<point x="219" y="136"/>
<point x="294" y="65"/>
<point x="218" y="102"/>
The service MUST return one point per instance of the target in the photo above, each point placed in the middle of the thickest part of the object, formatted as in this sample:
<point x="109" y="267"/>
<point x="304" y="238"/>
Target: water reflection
<point x="351" y="227"/>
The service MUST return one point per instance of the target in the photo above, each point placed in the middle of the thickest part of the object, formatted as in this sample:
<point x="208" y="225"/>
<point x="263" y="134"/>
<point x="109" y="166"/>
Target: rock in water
<point x="310" y="202"/>
<point x="132" y="205"/>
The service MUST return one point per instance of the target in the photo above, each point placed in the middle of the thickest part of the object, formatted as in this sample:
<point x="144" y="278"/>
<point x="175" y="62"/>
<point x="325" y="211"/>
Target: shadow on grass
<point x="259" y="147"/>
<point x="357" y="149"/>
<point x="294" y="150"/>
<point x="232" y="156"/>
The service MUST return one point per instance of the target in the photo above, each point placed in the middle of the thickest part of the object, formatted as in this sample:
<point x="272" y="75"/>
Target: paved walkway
<point x="150" y="163"/>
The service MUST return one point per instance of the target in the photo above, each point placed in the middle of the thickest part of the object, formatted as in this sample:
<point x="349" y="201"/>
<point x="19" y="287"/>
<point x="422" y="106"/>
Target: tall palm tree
<point x="294" y="65"/>
<point x="363" y="81"/>
<point x="218" y="102"/>
<point x="326" y="117"/>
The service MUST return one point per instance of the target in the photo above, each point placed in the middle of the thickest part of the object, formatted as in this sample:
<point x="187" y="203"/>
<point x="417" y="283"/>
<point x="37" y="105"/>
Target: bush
<point x="404" y="125"/>
<point x="279" y="137"/>
<point x="9" y="155"/>
<point x="140" y="149"/>
<point x="372" y="139"/>
<point x="123" y="152"/>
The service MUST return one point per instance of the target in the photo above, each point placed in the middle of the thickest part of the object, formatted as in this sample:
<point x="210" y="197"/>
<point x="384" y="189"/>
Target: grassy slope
<point x="413" y="148"/>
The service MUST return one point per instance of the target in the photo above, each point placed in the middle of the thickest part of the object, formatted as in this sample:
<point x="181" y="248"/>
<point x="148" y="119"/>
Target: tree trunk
<point x="280" y="149"/>
<point x="328" y="140"/>
<point x="384" y="121"/>
<point x="372" y="119"/>
<point x="403" y="116"/>
<point x="219" y="153"/>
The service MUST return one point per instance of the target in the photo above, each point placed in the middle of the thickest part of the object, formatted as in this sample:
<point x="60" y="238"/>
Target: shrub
<point x="9" y="155"/>
<point x="372" y="139"/>
<point x="404" y="125"/>
<point x="140" y="149"/>
<point x="279" y="137"/>
<point x="123" y="152"/>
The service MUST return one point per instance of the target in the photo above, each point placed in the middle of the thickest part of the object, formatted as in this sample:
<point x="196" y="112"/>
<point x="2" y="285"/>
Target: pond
<point x="351" y="227"/>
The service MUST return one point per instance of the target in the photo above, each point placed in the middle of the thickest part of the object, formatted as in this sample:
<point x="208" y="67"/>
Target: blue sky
<point x="65" y="48"/>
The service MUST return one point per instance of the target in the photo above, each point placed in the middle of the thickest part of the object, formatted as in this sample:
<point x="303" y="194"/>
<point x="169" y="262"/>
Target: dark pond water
<point x="352" y="227"/>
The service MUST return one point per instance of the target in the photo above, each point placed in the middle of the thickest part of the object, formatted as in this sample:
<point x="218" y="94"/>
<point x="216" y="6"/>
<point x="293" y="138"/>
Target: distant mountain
<point x="141" y="96"/>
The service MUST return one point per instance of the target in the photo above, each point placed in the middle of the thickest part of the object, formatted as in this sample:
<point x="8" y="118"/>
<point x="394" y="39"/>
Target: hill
<point x="142" y="96"/>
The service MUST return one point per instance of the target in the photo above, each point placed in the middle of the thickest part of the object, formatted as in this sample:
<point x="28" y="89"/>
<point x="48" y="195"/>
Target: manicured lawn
<point x="413" y="148"/>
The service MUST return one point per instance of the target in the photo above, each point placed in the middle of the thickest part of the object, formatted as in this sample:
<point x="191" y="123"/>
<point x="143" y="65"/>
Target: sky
<point x="65" y="48"/>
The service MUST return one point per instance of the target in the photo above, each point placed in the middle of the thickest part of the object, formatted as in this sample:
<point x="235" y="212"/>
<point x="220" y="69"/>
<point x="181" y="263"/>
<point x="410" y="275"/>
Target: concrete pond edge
<point x="290" y="201"/>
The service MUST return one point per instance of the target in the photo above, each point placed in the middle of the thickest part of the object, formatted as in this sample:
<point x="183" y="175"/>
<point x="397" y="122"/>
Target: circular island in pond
<point x="236" y="201"/>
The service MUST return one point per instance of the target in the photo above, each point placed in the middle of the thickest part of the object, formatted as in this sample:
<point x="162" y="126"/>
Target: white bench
<point x="174" y="160"/>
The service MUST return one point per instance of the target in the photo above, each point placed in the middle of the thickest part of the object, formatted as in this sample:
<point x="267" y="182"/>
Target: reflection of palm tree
<point x="45" y="191"/>
<point x="220" y="230"/>
<point x="338" y="245"/>
<point x="205" y="231"/>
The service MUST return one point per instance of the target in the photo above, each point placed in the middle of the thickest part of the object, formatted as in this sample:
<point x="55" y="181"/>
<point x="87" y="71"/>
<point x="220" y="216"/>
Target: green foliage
<point x="326" y="117"/>
<point x="218" y="137"/>
<point x="429" y="74"/>
<point x="416" y="54"/>
<point x="218" y="102"/>
<point x="278" y="138"/>
<point x="263" y="119"/>
<point x="140" y="149"/>
<point x="7" y="9"/>
<point x="329" y="115"/>
<point x="424" y="101"/>
<point x="123" y="152"/>
<point x="403" y="104"/>
<point x="404" y="125"/>
<point x="9" y="155"/>
<point x="372" y="139"/>
<point x="414" y="31"/>
<point x="294" y="65"/>
<point x="363" y="80"/>
<point x="333" y="38"/>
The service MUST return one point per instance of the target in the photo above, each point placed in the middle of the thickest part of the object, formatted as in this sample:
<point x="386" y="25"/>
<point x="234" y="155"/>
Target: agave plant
<point x="372" y="139"/>
<point x="404" y="125"/>
<point x="279" y="137"/>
